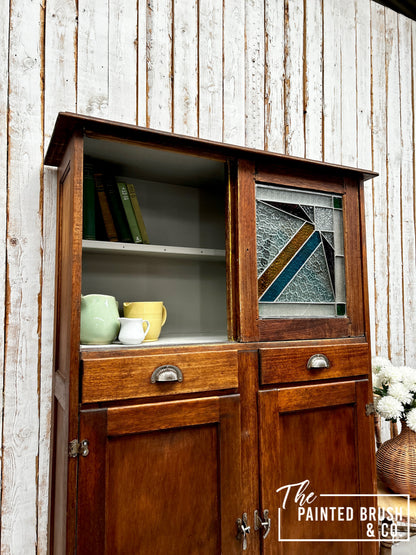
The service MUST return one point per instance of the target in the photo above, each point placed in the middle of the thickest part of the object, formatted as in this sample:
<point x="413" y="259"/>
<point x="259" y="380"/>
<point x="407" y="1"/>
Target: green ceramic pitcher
<point x="99" y="319"/>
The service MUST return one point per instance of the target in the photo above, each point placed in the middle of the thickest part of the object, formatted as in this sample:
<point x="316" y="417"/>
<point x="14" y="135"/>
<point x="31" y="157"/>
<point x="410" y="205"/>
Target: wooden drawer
<point x="108" y="379"/>
<point x="289" y="364"/>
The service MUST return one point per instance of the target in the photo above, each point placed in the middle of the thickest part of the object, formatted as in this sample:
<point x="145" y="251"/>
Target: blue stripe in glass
<point x="290" y="270"/>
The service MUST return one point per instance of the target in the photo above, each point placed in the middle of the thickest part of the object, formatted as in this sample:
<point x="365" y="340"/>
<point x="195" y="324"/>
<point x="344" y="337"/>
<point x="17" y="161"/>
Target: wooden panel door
<point x="318" y="440"/>
<point x="161" y="478"/>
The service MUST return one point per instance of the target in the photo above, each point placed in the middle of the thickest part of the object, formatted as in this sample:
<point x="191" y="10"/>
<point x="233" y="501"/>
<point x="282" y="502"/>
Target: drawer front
<point x="290" y="364"/>
<point x="108" y="379"/>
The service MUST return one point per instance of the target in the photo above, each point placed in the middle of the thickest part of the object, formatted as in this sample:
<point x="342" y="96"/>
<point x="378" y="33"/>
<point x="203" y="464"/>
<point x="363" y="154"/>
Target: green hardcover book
<point x="137" y="212"/>
<point x="117" y="209"/>
<point x="88" y="210"/>
<point x="128" y="210"/>
<point x="107" y="217"/>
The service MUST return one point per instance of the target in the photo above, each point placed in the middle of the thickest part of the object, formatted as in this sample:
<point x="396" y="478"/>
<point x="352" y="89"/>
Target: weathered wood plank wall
<point x="325" y="79"/>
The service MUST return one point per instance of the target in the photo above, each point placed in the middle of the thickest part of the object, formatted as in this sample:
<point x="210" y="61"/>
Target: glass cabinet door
<point x="300" y="253"/>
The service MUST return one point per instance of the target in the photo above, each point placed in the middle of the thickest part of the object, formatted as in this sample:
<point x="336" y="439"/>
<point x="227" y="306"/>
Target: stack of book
<point x="111" y="209"/>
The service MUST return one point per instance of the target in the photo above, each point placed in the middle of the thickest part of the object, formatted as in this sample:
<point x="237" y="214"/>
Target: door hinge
<point x="370" y="409"/>
<point x="78" y="448"/>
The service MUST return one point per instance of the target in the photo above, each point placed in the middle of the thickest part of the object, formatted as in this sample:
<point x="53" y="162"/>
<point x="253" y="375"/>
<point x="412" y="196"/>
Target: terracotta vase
<point x="396" y="462"/>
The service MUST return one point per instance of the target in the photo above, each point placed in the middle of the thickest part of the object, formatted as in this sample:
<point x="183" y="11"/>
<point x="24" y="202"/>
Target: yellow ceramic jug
<point x="155" y="312"/>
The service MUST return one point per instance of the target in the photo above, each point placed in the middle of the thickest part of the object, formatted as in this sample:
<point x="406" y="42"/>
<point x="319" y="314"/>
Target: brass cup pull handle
<point x="316" y="362"/>
<point x="166" y="373"/>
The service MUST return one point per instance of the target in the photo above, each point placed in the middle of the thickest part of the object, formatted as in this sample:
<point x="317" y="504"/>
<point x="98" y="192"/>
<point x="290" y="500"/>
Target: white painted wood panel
<point x="348" y="85"/>
<point x="210" y="69"/>
<point x="274" y="70"/>
<point x="122" y="60"/>
<point x="185" y="73"/>
<point x="332" y="82"/>
<point x="142" y="62"/>
<point x="23" y="287"/>
<point x="364" y="138"/>
<point x="93" y="58"/>
<point x="394" y="153"/>
<point x="313" y="79"/>
<point x="234" y="72"/>
<point x="294" y="71"/>
<point x="379" y="124"/>
<point x="407" y="186"/>
<point x="159" y="64"/>
<point x="254" y="73"/>
<point x="4" y="85"/>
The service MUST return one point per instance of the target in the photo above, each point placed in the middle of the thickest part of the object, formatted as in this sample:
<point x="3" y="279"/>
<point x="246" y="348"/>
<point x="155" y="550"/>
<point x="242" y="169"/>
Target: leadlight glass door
<point x="300" y="253"/>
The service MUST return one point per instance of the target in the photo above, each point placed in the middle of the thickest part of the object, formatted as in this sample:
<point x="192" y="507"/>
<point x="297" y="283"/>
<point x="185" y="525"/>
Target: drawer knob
<point x="318" y="361"/>
<point x="166" y="373"/>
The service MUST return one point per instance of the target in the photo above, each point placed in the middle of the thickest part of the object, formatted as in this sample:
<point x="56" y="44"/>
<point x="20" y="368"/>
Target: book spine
<point x="107" y="217"/>
<point x="137" y="212"/>
<point x="128" y="210"/>
<point x="88" y="210"/>
<point x="117" y="210"/>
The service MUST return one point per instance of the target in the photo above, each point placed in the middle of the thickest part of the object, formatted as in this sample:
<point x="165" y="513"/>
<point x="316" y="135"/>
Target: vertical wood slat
<point x="274" y="76"/>
<point x="210" y="68"/>
<point x="294" y="100"/>
<point x="254" y="73"/>
<point x="141" y="62"/>
<point x="4" y="84"/>
<point x="348" y="86"/>
<point x="93" y="58"/>
<point x="364" y="139"/>
<point x="378" y="125"/>
<point x="185" y="67"/>
<point x="407" y="190"/>
<point x="122" y="60"/>
<point x="332" y="82"/>
<point x="394" y="152"/>
<point x="59" y="94"/>
<point x="234" y="82"/>
<point x="23" y="287"/>
<point x="313" y="80"/>
<point x="159" y="64"/>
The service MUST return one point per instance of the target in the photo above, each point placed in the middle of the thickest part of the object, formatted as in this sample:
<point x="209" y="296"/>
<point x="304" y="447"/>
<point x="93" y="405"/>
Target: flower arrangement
<point x="395" y="391"/>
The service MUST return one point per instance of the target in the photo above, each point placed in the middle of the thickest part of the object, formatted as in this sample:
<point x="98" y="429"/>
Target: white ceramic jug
<point x="131" y="331"/>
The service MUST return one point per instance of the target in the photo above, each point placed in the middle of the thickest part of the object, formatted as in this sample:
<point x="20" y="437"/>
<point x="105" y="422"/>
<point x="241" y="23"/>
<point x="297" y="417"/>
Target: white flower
<point x="401" y="393"/>
<point x="408" y="377"/>
<point x="380" y="363"/>
<point x="389" y="408"/>
<point x="390" y="375"/>
<point x="411" y="419"/>
<point x="377" y="381"/>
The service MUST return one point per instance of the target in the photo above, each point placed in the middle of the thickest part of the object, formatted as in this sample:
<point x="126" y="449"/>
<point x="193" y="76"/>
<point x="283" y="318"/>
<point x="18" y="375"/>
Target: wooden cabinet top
<point x="68" y="123"/>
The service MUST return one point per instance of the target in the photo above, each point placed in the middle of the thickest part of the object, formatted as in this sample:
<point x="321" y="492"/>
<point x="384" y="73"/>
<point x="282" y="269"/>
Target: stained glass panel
<point x="300" y="253"/>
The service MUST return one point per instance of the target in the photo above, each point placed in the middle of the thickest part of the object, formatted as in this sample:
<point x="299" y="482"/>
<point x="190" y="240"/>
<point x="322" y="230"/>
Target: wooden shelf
<point x="152" y="250"/>
<point x="163" y="341"/>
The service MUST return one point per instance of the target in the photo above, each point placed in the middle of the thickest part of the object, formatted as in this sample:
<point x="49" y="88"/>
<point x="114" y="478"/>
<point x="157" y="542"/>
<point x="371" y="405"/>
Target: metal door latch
<point x="264" y="522"/>
<point x="243" y="530"/>
<point x="78" y="448"/>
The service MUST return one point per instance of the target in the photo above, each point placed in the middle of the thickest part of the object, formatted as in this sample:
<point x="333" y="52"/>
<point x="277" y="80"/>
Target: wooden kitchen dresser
<point x="260" y="261"/>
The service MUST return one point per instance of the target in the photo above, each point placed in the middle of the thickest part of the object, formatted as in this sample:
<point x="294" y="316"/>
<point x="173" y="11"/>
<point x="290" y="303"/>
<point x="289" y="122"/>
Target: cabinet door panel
<point x="315" y="434"/>
<point x="160" y="488"/>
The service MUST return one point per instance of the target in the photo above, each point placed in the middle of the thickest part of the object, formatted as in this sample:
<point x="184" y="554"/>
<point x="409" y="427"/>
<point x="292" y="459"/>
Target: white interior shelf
<point x="194" y="253"/>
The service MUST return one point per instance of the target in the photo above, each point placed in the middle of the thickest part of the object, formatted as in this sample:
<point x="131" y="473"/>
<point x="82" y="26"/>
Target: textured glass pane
<point x="295" y="196"/>
<point x="311" y="283"/>
<point x="274" y="230"/>
<point x="300" y="253"/>
<point x="324" y="219"/>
